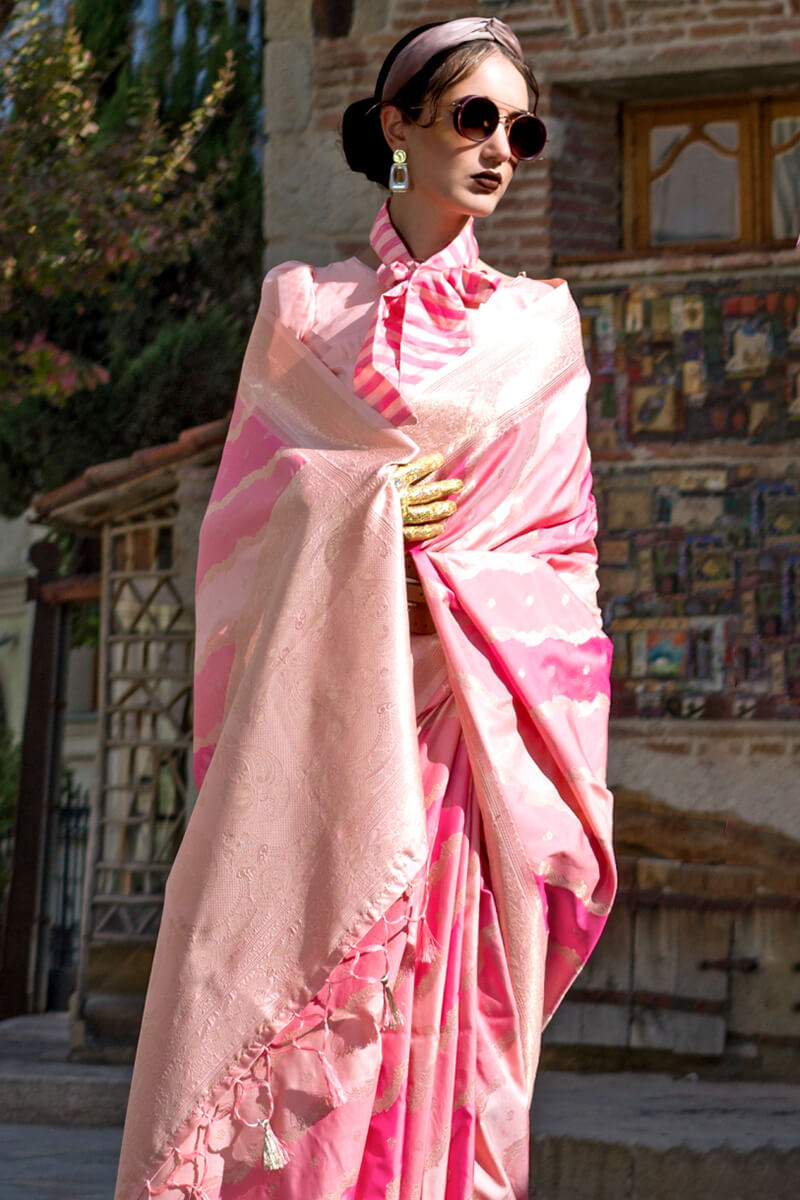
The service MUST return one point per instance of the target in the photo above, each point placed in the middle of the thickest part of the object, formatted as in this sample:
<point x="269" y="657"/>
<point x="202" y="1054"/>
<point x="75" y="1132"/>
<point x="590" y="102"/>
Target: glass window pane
<point x="724" y="133"/>
<point x="697" y="199"/>
<point x="783" y="129"/>
<point x="663" y="140"/>
<point x="786" y="193"/>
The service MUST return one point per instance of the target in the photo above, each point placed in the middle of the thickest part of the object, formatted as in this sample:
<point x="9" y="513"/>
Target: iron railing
<point x="66" y="890"/>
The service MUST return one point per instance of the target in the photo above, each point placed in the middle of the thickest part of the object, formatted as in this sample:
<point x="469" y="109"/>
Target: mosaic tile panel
<point x="699" y="553"/>
<point x="701" y="591"/>
<point x="697" y="364"/>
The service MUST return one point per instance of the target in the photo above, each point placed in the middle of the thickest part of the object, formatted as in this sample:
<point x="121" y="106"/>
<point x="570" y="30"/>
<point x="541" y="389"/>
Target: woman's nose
<point x="498" y="143"/>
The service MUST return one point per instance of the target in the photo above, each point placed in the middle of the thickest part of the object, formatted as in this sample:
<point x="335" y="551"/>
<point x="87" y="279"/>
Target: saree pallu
<point x="300" y="899"/>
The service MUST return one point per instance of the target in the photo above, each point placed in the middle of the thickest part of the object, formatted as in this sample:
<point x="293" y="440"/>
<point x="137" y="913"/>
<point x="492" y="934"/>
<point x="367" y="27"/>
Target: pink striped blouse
<point x="330" y="309"/>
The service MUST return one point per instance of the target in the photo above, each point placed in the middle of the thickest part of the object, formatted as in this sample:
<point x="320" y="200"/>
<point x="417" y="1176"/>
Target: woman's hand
<point x="423" y="505"/>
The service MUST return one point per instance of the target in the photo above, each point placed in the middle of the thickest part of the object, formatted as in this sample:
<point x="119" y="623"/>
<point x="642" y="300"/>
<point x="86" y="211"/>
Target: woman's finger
<point x="423" y="493"/>
<point x="418" y="469"/>
<point x="422" y="514"/>
<point x="421" y="533"/>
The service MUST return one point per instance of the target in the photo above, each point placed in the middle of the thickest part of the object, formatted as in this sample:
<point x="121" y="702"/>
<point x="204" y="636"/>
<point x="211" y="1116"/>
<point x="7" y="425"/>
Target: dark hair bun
<point x="364" y="145"/>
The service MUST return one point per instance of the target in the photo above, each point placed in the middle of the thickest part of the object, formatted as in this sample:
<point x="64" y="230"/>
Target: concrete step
<point x="38" y="1085"/>
<point x="637" y="1136"/>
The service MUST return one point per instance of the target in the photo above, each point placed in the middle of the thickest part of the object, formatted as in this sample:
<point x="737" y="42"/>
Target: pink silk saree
<point x="400" y="855"/>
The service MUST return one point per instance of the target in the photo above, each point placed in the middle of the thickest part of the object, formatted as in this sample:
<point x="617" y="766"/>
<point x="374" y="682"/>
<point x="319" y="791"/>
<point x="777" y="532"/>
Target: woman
<point x="400" y="855"/>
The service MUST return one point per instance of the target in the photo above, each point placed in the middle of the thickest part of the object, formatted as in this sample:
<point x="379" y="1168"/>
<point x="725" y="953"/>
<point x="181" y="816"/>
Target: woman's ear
<point x="394" y="124"/>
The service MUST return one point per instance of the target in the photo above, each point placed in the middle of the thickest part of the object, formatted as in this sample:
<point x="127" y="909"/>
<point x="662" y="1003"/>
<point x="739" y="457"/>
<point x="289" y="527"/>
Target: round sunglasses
<point x="477" y="117"/>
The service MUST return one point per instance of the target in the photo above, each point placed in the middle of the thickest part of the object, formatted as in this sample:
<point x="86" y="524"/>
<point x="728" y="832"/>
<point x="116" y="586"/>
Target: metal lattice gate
<point x="145" y="728"/>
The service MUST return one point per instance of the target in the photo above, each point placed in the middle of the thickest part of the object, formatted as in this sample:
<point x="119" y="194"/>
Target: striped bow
<point x="421" y="317"/>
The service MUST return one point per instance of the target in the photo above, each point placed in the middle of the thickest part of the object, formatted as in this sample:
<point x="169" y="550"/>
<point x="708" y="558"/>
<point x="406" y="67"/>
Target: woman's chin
<point x="485" y="202"/>
<point x="483" y="209"/>
<point x="478" y="204"/>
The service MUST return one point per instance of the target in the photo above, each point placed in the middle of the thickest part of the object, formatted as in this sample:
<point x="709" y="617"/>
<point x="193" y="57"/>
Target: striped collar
<point x="420" y="320"/>
<point x="389" y="246"/>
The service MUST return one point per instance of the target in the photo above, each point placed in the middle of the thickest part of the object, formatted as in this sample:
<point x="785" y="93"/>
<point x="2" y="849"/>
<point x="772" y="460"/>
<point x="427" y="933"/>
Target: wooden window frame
<point x="754" y="114"/>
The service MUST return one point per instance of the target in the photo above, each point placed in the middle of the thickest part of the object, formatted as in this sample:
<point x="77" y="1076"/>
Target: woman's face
<point x="452" y="173"/>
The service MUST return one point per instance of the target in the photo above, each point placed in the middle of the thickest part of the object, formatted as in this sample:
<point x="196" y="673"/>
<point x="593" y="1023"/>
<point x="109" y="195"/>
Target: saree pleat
<point x="439" y="1108"/>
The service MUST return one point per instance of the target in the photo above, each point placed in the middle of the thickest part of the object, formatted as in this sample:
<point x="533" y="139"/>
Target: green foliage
<point x="9" y="779"/>
<point x="85" y="625"/>
<point x="104" y="28"/>
<point x="181" y="360"/>
<point x="130" y="244"/>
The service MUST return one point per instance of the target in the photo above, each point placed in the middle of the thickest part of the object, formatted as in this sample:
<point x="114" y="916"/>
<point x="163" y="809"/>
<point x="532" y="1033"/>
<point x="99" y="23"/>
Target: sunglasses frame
<point x="507" y="121"/>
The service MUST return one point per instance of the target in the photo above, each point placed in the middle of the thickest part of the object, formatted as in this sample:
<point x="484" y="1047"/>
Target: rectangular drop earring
<point x="398" y="176"/>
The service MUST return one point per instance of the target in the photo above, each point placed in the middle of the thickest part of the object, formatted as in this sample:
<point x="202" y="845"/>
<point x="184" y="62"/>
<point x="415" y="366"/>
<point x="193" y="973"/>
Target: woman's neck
<point x="424" y="229"/>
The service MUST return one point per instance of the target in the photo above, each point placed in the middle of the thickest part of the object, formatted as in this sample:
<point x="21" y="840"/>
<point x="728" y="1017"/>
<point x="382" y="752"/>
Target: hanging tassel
<point x="274" y="1155"/>
<point x="336" y="1092"/>
<point x="392" y="1017"/>
<point x="429" y="948"/>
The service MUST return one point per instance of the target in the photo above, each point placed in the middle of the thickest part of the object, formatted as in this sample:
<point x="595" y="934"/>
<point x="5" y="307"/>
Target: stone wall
<point x="16" y="537"/>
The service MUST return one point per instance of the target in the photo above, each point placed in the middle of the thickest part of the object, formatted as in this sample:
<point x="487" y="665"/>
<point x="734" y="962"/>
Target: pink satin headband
<point x="443" y="37"/>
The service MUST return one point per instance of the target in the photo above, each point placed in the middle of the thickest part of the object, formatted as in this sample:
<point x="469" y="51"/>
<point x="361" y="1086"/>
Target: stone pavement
<point x="48" y="1162"/>
<point x="618" y="1136"/>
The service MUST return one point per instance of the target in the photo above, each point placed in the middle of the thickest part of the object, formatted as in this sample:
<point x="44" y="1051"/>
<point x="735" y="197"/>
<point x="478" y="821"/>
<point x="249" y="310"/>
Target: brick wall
<point x="588" y="56"/>
<point x="585" y="172"/>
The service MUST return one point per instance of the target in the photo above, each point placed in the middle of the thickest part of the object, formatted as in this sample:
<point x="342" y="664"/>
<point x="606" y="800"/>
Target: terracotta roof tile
<point x="121" y="470"/>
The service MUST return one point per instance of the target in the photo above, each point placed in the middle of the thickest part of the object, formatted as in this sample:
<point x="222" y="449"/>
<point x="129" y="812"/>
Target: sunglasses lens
<point x="477" y="119"/>
<point x="526" y="137"/>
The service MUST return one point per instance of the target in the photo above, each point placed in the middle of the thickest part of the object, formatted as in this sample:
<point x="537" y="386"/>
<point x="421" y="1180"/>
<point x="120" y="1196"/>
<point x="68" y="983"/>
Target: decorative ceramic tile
<point x="698" y="512"/>
<point x="693" y="312"/>
<point x="748" y="611"/>
<point x="695" y="379"/>
<point x="782" y="519"/>
<point x="629" y="508"/>
<point x="749" y="346"/>
<point x="616" y="552"/>
<point x="655" y="410"/>
<point x="661" y="318"/>
<point x="645" y="564"/>
<point x="711" y="563"/>
<point x="777" y="671"/>
<point x="634" y="313"/>
<point x="667" y="654"/>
